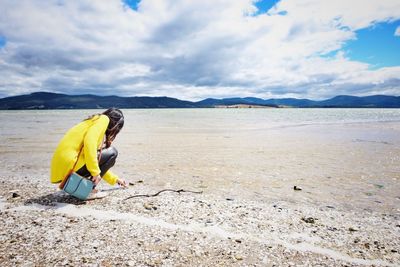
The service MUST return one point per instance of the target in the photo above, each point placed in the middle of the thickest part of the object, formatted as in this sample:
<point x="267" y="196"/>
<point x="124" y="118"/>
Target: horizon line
<point x="232" y="97"/>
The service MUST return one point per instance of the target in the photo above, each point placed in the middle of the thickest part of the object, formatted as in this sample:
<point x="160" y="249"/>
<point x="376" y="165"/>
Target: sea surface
<point x="345" y="158"/>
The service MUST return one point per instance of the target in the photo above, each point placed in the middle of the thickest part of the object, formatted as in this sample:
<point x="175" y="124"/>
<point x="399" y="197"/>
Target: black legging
<point x="107" y="160"/>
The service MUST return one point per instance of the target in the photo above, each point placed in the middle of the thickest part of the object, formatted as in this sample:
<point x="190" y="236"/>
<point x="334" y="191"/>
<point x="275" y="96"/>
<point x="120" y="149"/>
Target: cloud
<point x="397" y="32"/>
<point x="190" y="49"/>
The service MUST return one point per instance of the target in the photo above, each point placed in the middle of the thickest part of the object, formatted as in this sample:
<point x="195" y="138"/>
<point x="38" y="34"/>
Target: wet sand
<point x="346" y="213"/>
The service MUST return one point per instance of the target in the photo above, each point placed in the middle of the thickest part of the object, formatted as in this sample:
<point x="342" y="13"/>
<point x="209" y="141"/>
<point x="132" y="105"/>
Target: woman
<point x="81" y="145"/>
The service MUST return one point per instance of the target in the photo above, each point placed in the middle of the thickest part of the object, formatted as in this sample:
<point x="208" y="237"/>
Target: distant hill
<point x="343" y="101"/>
<point x="60" y="101"/>
<point x="375" y="101"/>
<point x="43" y="100"/>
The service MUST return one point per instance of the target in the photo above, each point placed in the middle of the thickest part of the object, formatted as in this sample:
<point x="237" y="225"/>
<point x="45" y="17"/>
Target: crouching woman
<point x="86" y="149"/>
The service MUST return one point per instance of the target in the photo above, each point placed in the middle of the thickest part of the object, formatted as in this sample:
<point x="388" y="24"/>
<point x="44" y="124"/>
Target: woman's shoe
<point x="95" y="194"/>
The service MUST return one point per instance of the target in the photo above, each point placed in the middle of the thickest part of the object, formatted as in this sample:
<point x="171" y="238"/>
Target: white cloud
<point x="356" y="14"/>
<point x="397" y="32"/>
<point x="190" y="49"/>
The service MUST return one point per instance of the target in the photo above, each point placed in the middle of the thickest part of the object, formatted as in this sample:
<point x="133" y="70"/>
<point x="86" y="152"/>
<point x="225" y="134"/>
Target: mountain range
<point x="45" y="100"/>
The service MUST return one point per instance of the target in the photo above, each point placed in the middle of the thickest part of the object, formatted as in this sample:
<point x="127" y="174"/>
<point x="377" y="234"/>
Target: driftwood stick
<point x="165" y="190"/>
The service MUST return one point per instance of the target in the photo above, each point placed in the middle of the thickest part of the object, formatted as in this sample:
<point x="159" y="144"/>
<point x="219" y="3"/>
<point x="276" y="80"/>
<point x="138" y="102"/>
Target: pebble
<point x="149" y="206"/>
<point x="238" y="257"/>
<point x="15" y="195"/>
<point x="309" y="219"/>
<point x="297" y="188"/>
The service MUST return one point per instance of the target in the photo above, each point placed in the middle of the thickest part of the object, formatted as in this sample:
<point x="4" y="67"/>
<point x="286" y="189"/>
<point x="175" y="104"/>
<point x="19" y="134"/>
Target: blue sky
<point x="198" y="49"/>
<point x="264" y="5"/>
<point x="2" y="41"/>
<point x="132" y="3"/>
<point x="376" y="45"/>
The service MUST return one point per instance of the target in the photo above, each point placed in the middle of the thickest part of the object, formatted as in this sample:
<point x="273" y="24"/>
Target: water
<point x="342" y="157"/>
<point x="203" y="118"/>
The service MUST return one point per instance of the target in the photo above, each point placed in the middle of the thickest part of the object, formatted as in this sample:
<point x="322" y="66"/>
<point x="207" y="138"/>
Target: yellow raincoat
<point x="90" y="133"/>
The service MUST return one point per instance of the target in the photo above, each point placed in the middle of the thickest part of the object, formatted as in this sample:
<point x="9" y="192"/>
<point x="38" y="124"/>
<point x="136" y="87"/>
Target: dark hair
<point x="114" y="126"/>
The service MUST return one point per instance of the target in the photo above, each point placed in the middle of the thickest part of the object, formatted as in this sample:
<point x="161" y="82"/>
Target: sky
<point x="196" y="49"/>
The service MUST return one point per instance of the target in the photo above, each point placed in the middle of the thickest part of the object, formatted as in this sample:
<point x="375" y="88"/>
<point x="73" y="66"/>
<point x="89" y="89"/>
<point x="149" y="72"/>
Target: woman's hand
<point x="121" y="182"/>
<point x="96" y="179"/>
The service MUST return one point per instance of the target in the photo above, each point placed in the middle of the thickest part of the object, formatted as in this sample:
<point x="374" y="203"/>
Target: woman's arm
<point x="112" y="179"/>
<point x="90" y="144"/>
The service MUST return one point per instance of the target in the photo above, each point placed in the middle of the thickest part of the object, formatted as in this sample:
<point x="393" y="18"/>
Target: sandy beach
<point x="245" y="162"/>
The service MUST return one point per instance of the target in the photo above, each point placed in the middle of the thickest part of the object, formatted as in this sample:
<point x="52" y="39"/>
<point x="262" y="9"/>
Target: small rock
<point x="148" y="206"/>
<point x="106" y="263"/>
<point x="36" y="223"/>
<point x="15" y="195"/>
<point x="238" y="257"/>
<point x="154" y="263"/>
<point x="309" y="219"/>
<point x="297" y="188"/>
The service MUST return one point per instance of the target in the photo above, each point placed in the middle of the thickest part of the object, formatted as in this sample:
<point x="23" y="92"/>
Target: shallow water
<point x="345" y="158"/>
